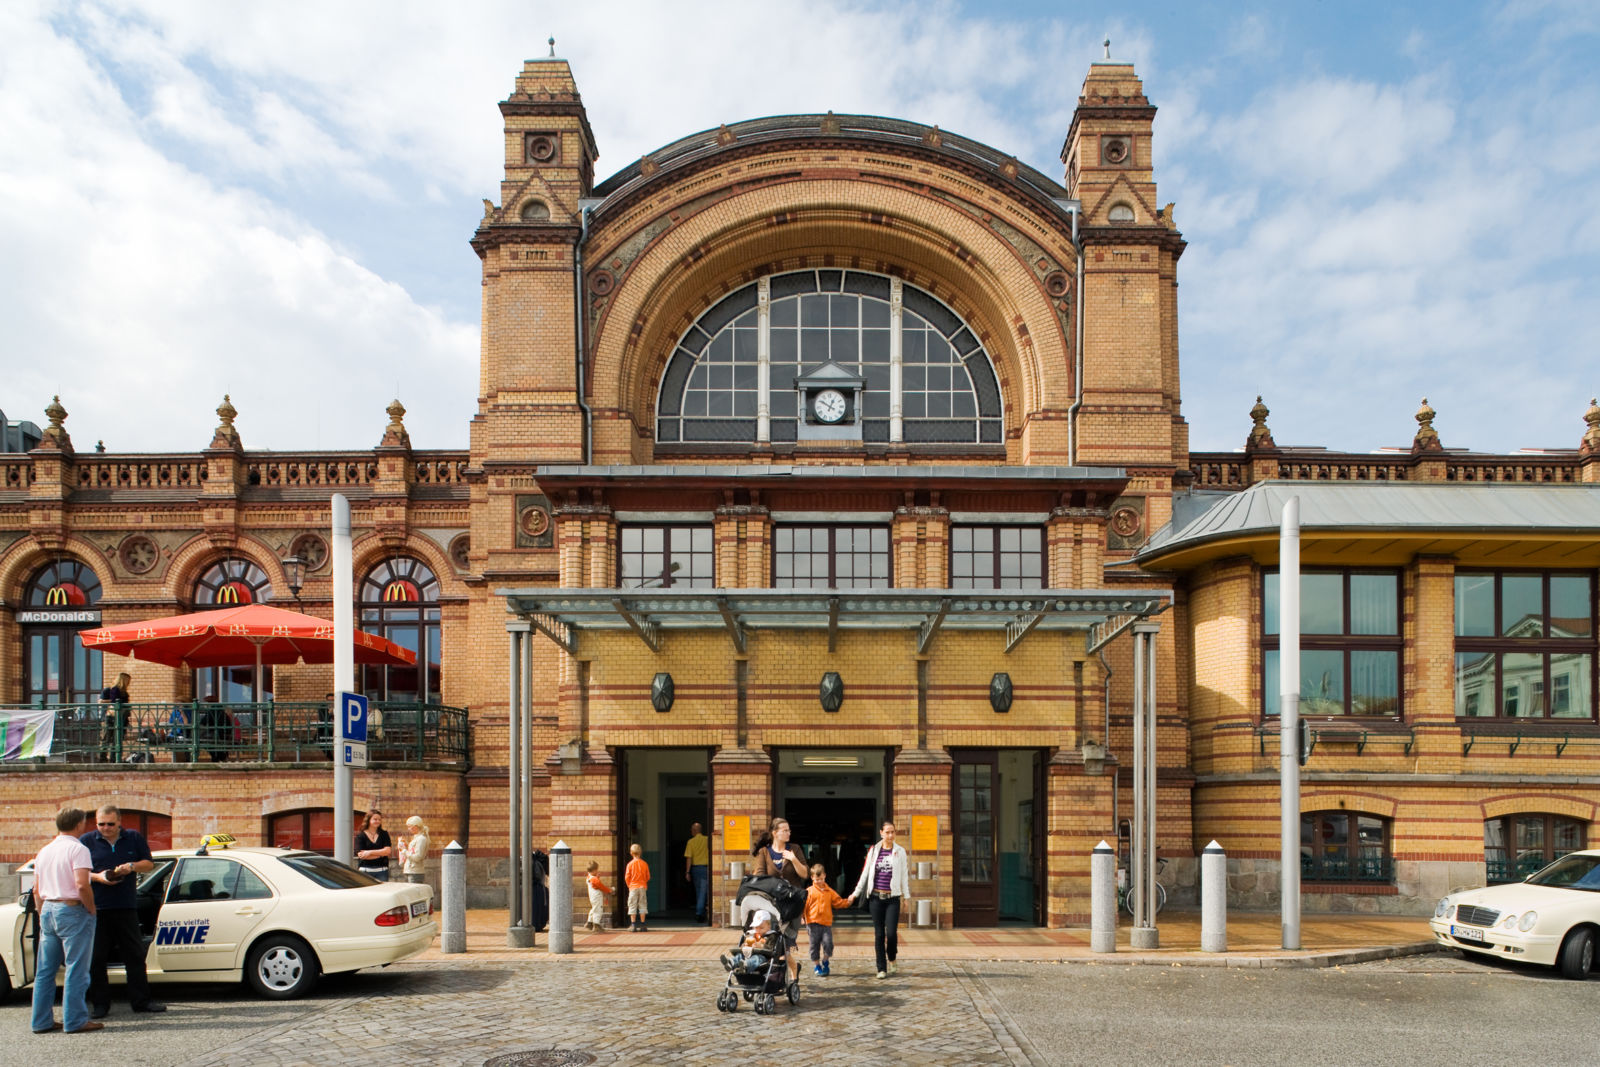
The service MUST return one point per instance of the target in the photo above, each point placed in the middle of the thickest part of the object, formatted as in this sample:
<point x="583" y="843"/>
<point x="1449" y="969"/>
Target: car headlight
<point x="1529" y="920"/>
<point x="1509" y="922"/>
<point x="1443" y="909"/>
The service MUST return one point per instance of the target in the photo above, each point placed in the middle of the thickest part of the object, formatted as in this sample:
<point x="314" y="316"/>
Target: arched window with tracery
<point x="399" y="599"/>
<point x="913" y="371"/>
<point x="60" y="600"/>
<point x="230" y="583"/>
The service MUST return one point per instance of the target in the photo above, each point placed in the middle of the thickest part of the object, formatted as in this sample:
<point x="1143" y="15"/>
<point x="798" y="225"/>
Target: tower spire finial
<point x="1108" y="47"/>
<point x="552" y="47"/>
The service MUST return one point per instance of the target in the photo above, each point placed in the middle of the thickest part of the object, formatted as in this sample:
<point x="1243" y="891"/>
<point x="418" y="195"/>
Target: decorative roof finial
<point x="1591" y="436"/>
<point x="1427" y="439"/>
<point x="55" y="435"/>
<point x="1260" y="436"/>
<point x="1108" y="48"/>
<point x="225" y="435"/>
<point x="395" y="435"/>
<point x="552" y="47"/>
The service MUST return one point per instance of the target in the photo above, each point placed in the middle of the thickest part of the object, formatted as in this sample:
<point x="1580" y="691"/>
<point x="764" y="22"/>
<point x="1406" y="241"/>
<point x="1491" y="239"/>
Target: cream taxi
<point x="1551" y="918"/>
<point x="277" y="918"/>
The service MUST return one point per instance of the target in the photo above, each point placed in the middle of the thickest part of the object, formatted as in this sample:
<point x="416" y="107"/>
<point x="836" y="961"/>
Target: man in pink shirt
<point x="65" y="903"/>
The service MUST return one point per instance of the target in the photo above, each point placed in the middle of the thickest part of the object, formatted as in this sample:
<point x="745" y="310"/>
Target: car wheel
<point x="5" y="983"/>
<point x="281" y="967"/>
<point x="1577" y="954"/>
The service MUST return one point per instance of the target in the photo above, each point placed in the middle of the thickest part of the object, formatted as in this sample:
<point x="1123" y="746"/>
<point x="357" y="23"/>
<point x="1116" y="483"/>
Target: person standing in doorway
<point x="64" y="901"/>
<point x="886" y="878"/>
<point x="697" y="870"/>
<point x="373" y="847"/>
<point x="119" y="856"/>
<point x="636" y="876"/>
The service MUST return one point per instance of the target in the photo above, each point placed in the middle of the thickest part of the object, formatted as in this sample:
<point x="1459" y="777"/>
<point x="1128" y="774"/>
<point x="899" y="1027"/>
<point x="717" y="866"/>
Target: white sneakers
<point x="893" y="969"/>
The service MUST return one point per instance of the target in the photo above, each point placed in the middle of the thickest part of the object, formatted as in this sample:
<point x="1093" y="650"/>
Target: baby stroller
<point x="760" y="973"/>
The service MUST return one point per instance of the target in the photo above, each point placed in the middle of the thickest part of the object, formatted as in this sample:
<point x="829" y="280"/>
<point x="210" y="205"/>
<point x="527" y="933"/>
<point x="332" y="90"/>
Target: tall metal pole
<point x="1136" y="836"/>
<point x="513" y="787"/>
<point x="1151" y="803"/>
<point x="344" y="679"/>
<point x="1289" y="716"/>
<point x="526" y="804"/>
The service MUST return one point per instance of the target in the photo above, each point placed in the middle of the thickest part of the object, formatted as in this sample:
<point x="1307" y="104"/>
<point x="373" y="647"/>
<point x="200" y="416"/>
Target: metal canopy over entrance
<point x="563" y="614"/>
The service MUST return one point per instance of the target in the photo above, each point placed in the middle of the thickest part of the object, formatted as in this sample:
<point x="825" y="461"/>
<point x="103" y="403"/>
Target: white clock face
<point x="828" y="405"/>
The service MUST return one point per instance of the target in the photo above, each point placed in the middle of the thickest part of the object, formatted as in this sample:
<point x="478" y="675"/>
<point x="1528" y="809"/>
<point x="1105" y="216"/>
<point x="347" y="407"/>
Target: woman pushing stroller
<point x="774" y="855"/>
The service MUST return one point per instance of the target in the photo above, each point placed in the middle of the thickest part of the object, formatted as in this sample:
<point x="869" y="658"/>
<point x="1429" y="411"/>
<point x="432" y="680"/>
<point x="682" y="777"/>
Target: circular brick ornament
<point x="460" y="546"/>
<point x="138" y="554"/>
<point x="1125" y="522"/>
<point x="311" y="548"/>
<point x="533" y="520"/>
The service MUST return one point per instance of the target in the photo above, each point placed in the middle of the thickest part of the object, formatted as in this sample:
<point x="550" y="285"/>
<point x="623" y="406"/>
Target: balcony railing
<point x="269" y="732"/>
<point x="1335" y="868"/>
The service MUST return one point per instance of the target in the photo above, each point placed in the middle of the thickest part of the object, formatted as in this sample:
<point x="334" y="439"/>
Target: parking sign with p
<point x="353" y="728"/>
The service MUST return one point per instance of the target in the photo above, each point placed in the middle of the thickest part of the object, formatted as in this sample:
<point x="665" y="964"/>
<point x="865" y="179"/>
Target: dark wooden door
<point x="974" y="789"/>
<point x="1041" y="885"/>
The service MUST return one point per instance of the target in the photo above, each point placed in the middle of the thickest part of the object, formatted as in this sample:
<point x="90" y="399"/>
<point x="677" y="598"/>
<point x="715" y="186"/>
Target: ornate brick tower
<point x="1131" y="414"/>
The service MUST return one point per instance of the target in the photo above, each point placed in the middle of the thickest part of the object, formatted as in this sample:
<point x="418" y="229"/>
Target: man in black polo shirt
<point x="118" y="855"/>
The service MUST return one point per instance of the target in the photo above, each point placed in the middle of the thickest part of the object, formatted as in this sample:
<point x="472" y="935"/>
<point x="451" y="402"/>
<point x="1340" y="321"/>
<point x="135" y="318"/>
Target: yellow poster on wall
<point x="736" y="833"/>
<point x="924" y="833"/>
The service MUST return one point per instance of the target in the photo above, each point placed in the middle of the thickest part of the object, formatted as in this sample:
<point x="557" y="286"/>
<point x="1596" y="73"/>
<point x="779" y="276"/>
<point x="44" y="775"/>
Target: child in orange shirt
<point x="598" y="891"/>
<point x="637" y="878"/>
<point x="820" y="902"/>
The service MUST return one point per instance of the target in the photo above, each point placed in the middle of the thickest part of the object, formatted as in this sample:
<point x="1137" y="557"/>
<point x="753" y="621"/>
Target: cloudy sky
<point x="274" y="200"/>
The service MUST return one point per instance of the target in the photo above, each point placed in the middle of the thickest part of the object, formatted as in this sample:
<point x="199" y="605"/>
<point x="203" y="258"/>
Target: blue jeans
<point x="66" y="935"/>
<point x="701" y="876"/>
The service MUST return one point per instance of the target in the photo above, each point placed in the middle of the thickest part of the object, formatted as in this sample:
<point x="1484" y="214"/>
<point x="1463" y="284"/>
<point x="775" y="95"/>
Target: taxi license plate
<point x="1466" y="933"/>
<point x="419" y="908"/>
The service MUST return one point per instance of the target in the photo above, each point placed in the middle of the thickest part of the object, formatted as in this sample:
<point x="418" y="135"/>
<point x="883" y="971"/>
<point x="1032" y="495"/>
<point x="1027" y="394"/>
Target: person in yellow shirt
<point x="697" y="870"/>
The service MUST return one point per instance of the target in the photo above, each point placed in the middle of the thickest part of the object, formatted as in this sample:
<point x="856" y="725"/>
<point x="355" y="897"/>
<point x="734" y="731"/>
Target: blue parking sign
<point x="353" y="717"/>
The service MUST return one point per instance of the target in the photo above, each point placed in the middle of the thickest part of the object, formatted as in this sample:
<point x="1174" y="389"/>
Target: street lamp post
<point x="294" y="572"/>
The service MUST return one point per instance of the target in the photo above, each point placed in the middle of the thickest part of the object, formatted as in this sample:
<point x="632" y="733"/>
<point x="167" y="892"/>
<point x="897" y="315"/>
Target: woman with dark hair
<point x="885" y="877"/>
<point x="373" y="847"/>
<point x="774" y="855"/>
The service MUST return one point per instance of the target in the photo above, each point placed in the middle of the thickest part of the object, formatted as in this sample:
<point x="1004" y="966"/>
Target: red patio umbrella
<point x="228" y="636"/>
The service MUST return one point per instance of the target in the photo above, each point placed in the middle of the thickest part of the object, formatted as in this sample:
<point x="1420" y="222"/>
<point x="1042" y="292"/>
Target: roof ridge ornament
<point x="55" y="435"/>
<point x="830" y="124"/>
<point x="226" y="435"/>
<point x="1591" y="436"/>
<point x="1108" y="47"/>
<point x="1427" y="439"/>
<point x="395" y="435"/>
<point x="1260" y="434"/>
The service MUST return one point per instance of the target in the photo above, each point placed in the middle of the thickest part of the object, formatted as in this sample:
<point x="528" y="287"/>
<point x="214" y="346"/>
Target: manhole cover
<point x="545" y="1057"/>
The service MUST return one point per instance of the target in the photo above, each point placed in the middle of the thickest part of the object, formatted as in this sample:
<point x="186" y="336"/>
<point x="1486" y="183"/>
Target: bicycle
<point x="1125" y="899"/>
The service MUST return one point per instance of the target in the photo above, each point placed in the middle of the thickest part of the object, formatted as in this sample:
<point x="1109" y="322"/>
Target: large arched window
<point x="59" y="601"/>
<point x="230" y="583"/>
<point x="1514" y="846"/>
<point x="740" y="372"/>
<point x="399" y="599"/>
<point x="1345" y="846"/>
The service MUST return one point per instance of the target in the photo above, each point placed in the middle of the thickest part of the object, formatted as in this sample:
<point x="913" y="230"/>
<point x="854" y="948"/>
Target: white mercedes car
<point x="275" y="917"/>
<point x="1551" y="918"/>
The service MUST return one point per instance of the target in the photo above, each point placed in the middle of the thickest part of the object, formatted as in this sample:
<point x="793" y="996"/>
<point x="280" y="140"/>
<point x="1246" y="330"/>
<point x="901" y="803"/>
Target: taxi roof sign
<point x="211" y="841"/>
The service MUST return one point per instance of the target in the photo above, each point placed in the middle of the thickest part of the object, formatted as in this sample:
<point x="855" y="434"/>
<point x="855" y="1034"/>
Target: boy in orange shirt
<point x="598" y="891"/>
<point x="636" y="876"/>
<point x="820" y="902"/>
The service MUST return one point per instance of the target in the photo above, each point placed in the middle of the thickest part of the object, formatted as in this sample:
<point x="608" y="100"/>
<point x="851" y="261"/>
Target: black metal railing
<point x="1336" y="868"/>
<point x="268" y="732"/>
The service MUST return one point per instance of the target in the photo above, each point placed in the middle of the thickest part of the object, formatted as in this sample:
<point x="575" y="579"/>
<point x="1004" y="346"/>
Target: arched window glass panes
<point x="230" y="583"/>
<point x="56" y="668"/>
<point x="399" y="599"/>
<point x="927" y="379"/>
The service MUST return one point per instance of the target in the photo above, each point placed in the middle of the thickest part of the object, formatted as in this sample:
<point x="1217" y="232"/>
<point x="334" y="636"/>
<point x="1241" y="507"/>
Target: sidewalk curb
<point x="1264" y="961"/>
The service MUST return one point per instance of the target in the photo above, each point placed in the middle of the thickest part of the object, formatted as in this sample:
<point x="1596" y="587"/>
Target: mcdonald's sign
<point x="67" y="594"/>
<point x="235" y="593"/>
<point x="401" y="590"/>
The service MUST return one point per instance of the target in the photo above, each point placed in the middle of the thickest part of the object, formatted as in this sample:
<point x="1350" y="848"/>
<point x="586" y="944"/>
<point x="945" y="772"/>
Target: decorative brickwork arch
<point x="1546" y="803"/>
<point x="1363" y="803"/>
<point x="935" y="244"/>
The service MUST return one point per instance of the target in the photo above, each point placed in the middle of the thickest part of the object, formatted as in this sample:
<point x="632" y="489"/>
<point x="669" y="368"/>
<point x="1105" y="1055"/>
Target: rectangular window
<point x="1349" y="643"/>
<point x="831" y="557"/>
<point x="1525" y="645"/>
<point x="996" y="557"/>
<point x="655" y="557"/>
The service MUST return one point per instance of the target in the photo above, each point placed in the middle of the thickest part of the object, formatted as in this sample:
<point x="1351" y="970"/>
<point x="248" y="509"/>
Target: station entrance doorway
<point x="661" y="794"/>
<point x="835" y="800"/>
<point x="997" y="811"/>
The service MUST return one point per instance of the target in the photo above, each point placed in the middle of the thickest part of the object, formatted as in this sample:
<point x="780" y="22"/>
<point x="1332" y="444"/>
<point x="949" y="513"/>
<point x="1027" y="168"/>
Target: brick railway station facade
<point x="813" y="456"/>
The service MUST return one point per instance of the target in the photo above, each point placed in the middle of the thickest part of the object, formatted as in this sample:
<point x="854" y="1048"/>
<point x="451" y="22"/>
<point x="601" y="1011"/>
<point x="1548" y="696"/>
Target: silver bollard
<point x="1213" y="899"/>
<point x="1103" y="899"/>
<point x="453" y="902"/>
<point x="560" y="940"/>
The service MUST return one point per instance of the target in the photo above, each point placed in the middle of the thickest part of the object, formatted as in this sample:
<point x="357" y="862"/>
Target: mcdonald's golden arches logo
<point x="400" y="590"/>
<point x="235" y="593"/>
<point x="64" y="595"/>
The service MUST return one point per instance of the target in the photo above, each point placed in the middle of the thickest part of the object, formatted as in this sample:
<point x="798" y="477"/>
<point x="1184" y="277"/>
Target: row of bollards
<point x="1103" y="899"/>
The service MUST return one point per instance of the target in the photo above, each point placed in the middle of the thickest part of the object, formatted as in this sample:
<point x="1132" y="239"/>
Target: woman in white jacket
<point x="885" y="880"/>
